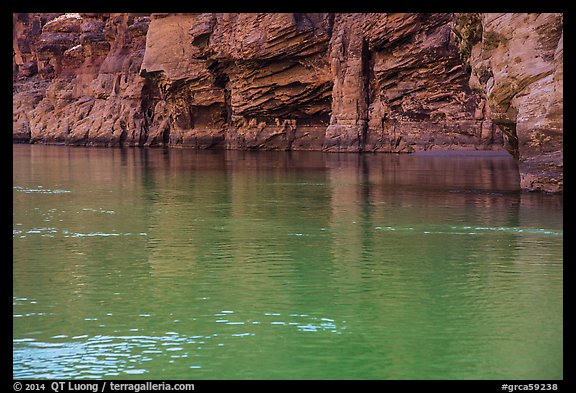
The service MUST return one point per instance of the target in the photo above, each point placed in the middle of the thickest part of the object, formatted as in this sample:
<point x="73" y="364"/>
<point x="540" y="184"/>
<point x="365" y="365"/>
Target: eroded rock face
<point x="333" y="82"/>
<point x="344" y="82"/>
<point x="418" y="92"/>
<point x="89" y="88"/>
<point x="256" y="80"/>
<point x="517" y="65"/>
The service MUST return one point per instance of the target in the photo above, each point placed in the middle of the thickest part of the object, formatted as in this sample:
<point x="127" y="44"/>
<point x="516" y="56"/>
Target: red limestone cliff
<point x="332" y="82"/>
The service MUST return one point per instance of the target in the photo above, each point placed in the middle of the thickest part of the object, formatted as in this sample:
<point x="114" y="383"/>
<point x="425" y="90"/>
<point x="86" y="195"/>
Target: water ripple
<point x="470" y="230"/>
<point x="82" y="358"/>
<point x="51" y="232"/>
<point x="85" y="356"/>
<point x="98" y="211"/>
<point x="39" y="190"/>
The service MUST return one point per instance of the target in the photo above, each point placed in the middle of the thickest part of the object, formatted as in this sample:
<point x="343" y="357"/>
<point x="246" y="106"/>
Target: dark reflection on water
<point x="183" y="264"/>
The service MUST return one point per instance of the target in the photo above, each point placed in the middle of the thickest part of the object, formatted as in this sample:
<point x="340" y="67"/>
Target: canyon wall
<point x="516" y="63"/>
<point x="331" y="82"/>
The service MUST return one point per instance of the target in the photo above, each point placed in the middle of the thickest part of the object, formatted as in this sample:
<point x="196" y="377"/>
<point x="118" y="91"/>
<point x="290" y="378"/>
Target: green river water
<point x="184" y="264"/>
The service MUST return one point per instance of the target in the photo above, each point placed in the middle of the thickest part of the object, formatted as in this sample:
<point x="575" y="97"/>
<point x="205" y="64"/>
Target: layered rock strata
<point x="86" y="89"/>
<point x="332" y="82"/>
<point x="516" y="63"/>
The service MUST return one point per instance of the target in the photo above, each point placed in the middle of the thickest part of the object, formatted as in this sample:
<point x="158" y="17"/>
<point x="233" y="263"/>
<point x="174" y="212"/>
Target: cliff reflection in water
<point x="235" y="264"/>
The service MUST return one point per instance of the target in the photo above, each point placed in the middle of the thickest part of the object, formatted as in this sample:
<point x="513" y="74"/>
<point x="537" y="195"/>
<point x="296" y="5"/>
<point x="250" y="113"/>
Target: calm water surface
<point x="178" y="264"/>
